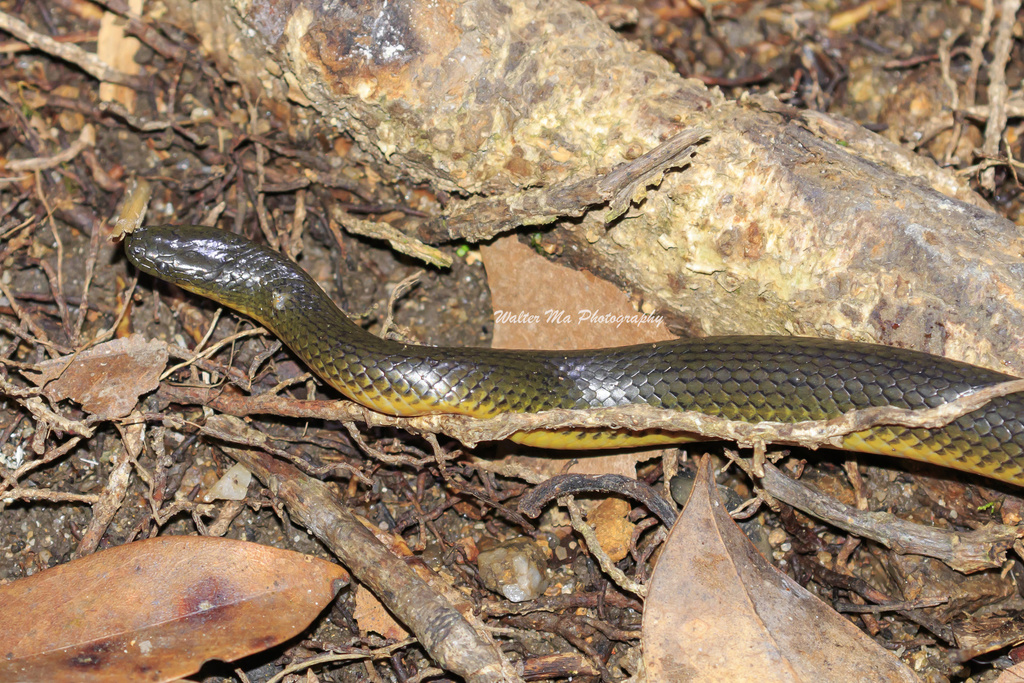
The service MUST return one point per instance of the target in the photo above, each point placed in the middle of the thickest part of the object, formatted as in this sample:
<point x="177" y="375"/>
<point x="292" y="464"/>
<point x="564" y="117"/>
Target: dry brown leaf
<point x="83" y="9"/>
<point x="525" y="284"/>
<point x="537" y="469"/>
<point x="1015" y="674"/>
<point x="618" y="463"/>
<point x="156" y="610"/>
<point x="372" y="616"/>
<point x="526" y="290"/>
<point x="107" y="379"/>
<point x="718" y="611"/>
<point x="115" y="47"/>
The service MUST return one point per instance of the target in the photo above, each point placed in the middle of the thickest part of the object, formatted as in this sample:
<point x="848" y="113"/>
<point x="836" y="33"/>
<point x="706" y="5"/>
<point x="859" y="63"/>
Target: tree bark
<point x="783" y="222"/>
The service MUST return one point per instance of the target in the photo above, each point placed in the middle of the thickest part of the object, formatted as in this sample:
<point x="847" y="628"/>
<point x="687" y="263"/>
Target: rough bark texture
<point x="774" y="227"/>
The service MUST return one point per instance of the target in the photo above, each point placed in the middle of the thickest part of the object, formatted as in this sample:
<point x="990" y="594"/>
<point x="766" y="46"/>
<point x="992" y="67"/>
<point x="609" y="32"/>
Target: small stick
<point x="86" y="61"/>
<point x="964" y="551"/>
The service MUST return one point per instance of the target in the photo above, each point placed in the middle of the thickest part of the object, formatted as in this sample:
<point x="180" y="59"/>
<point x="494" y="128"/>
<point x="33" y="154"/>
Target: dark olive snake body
<point x="749" y="378"/>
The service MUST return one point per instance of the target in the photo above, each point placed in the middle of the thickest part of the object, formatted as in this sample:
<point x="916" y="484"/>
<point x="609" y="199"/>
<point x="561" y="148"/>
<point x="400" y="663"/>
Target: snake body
<point x="749" y="378"/>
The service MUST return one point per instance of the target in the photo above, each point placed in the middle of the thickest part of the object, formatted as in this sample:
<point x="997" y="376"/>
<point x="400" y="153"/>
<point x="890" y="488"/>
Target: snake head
<point x="214" y="263"/>
<point x="182" y="254"/>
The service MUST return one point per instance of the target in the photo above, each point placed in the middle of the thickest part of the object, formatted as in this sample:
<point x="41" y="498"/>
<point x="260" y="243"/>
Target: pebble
<point x="516" y="569"/>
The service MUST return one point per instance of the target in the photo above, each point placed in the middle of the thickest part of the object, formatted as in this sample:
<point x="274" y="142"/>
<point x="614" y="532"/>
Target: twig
<point x="298" y="224"/>
<point x="261" y="180"/>
<point x="135" y="122"/>
<point x="845" y="21"/>
<point x="398" y="240"/>
<point x="400" y="289"/>
<point x="945" y="61"/>
<point x="917" y="60"/>
<point x="231" y="339"/>
<point x="483" y="218"/>
<point x="989" y="163"/>
<point x="829" y="577"/>
<point x="38" y="335"/>
<point x="50" y="455"/>
<point x="997" y="89"/>
<point x="86" y="61"/>
<point x="56" y="279"/>
<point x="86" y="139"/>
<point x="637" y="418"/>
<point x="146" y="33"/>
<point x="594" y="546"/>
<point x="83" y="304"/>
<point x="104" y="336"/>
<point x="850" y="608"/>
<point x="561" y="603"/>
<point x="13" y="46"/>
<point x="444" y="633"/>
<point x="977" y="51"/>
<point x="981" y="112"/>
<point x="44" y="414"/>
<point x="964" y="551"/>
<point x="471" y="431"/>
<point x="232" y="374"/>
<point x="378" y="454"/>
<point x="533" y="503"/>
<point x="49" y="495"/>
<point x="115" y="490"/>
<point x="379" y="653"/>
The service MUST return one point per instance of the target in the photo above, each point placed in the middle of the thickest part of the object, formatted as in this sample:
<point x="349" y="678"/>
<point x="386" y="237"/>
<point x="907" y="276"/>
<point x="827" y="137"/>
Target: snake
<point x="747" y="378"/>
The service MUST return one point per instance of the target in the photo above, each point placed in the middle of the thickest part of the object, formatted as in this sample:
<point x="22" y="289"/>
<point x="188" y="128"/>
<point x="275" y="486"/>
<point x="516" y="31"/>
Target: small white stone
<point x="232" y="486"/>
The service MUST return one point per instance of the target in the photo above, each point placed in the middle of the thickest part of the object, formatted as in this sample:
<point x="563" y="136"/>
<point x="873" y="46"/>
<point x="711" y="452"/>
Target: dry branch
<point x="472" y="431"/>
<point x="964" y="551"/>
<point x="449" y="638"/>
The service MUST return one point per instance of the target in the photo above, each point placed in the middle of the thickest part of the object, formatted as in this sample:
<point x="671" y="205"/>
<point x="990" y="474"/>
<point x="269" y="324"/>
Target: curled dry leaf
<point x="718" y="611"/>
<point x="107" y="379"/>
<point x="156" y="610"/>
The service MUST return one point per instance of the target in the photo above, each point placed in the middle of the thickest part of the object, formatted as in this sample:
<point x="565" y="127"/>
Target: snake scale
<point x="749" y="378"/>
